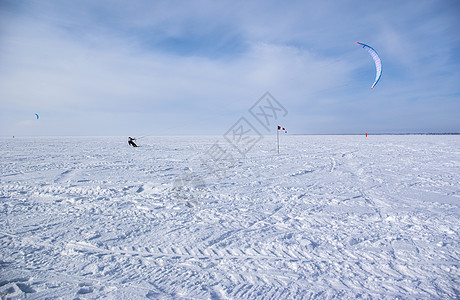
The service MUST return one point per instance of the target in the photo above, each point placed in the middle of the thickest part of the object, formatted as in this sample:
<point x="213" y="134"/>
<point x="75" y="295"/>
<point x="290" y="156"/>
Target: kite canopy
<point x="376" y="58"/>
<point x="37" y="116"/>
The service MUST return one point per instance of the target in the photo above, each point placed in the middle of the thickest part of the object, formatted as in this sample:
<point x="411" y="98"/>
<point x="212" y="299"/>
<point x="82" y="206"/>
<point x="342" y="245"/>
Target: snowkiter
<point x="131" y="142"/>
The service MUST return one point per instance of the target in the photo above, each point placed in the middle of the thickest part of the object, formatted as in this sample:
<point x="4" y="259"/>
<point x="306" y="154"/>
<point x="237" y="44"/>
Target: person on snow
<point x="131" y="142"/>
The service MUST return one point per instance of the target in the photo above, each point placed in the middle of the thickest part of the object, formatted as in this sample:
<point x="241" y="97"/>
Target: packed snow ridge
<point x="328" y="217"/>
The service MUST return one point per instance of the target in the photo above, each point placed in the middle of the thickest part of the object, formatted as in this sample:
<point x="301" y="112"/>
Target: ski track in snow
<point x="329" y="217"/>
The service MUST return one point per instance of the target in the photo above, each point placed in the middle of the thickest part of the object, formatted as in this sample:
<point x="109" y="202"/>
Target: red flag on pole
<point x="278" y="137"/>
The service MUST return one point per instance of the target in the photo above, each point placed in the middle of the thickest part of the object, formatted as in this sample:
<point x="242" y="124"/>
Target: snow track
<point x="330" y="217"/>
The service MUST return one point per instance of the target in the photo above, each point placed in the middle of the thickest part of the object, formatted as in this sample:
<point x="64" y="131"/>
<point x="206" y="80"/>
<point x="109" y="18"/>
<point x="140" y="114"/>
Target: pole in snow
<point x="278" y="137"/>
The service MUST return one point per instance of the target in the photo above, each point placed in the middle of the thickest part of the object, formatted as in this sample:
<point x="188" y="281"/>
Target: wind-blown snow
<point x="331" y="216"/>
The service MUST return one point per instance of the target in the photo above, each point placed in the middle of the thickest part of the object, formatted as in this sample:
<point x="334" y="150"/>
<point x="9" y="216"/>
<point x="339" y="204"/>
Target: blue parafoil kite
<point x="378" y="63"/>
<point x="37" y="116"/>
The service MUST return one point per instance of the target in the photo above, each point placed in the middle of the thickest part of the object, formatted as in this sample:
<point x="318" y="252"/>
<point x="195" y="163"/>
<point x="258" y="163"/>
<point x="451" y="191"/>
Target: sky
<point x="119" y="68"/>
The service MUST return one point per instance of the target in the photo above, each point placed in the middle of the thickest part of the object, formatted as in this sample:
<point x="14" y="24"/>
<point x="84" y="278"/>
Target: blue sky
<point x="195" y="67"/>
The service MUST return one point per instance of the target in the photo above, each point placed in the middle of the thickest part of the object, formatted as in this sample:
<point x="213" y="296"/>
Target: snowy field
<point x="329" y="217"/>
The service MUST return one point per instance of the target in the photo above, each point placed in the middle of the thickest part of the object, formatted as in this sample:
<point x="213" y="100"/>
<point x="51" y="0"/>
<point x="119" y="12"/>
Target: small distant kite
<point x="378" y="63"/>
<point x="36" y="115"/>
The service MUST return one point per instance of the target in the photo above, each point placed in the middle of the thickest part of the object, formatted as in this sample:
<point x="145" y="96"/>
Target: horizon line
<point x="293" y="134"/>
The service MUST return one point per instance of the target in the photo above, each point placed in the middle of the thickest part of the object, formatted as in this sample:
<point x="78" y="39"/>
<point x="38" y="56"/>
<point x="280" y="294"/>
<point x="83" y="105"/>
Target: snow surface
<point x="329" y="217"/>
